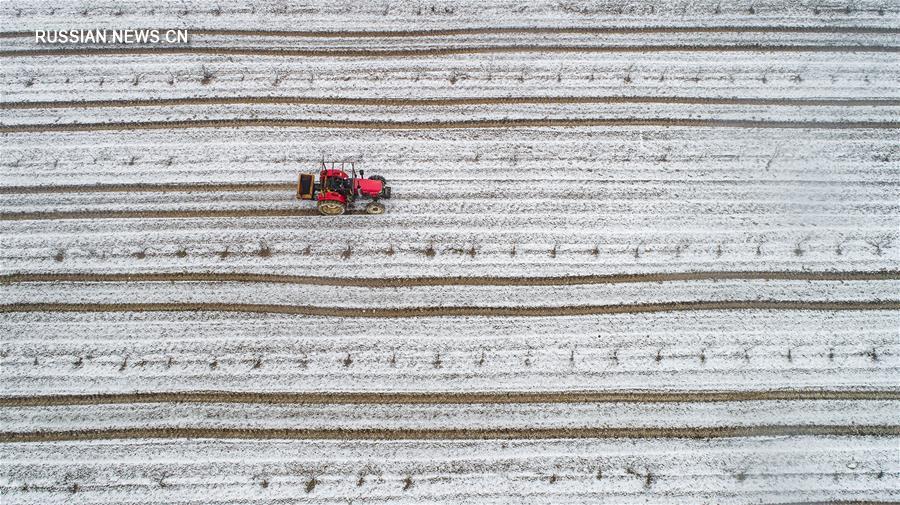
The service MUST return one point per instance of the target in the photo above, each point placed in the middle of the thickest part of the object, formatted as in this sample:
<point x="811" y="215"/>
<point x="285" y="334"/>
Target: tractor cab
<point x="337" y="189"/>
<point x="337" y="181"/>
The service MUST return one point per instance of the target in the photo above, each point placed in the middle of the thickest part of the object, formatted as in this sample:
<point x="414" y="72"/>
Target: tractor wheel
<point x="331" y="208"/>
<point x="375" y="208"/>
<point x="383" y="183"/>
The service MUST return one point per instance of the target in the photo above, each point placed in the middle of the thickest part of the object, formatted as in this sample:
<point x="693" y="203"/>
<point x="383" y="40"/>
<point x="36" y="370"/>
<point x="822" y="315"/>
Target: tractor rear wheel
<point x="375" y="208"/>
<point x="331" y="208"/>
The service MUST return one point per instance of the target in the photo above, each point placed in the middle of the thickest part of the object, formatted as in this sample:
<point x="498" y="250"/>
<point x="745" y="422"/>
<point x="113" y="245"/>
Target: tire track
<point x="412" y="398"/>
<point x="401" y="282"/>
<point x="451" y="311"/>
<point x="451" y="434"/>
<point x="450" y="102"/>
<point x="444" y="51"/>
<point x="157" y="214"/>
<point x="441" y="125"/>
<point x="601" y="30"/>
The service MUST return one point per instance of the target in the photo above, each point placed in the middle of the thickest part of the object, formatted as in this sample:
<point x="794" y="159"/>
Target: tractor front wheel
<point x="331" y="208"/>
<point x="375" y="208"/>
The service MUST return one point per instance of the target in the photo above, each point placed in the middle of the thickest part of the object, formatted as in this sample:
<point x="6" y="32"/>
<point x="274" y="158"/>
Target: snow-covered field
<point x="756" y="470"/>
<point x="540" y="153"/>
<point x="728" y="350"/>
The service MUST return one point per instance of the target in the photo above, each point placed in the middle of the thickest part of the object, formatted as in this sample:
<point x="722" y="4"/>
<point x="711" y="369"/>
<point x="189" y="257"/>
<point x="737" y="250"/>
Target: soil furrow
<point x="449" y="102"/>
<point x="438" y="125"/>
<point x="160" y="188"/>
<point x="458" y="311"/>
<point x="382" y="398"/>
<point x="599" y="30"/>
<point x="453" y="433"/>
<point x="445" y="51"/>
<point x="156" y="214"/>
<point x="398" y="282"/>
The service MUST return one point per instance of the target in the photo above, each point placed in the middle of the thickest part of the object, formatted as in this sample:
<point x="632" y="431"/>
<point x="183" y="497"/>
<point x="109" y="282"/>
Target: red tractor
<point x="336" y="190"/>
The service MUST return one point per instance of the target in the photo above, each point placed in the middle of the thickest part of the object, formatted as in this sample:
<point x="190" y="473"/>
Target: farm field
<point x="635" y="253"/>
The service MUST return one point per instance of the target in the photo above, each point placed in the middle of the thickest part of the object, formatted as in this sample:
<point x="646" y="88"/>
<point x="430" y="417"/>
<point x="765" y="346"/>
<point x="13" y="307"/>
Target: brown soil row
<point x="452" y="102"/>
<point x="603" y="30"/>
<point x="841" y="502"/>
<point x="405" y="282"/>
<point x="380" y="398"/>
<point x="445" y="51"/>
<point x="161" y="188"/>
<point x="441" y="125"/>
<point x="576" y="310"/>
<point x="453" y="434"/>
<point x="156" y="214"/>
